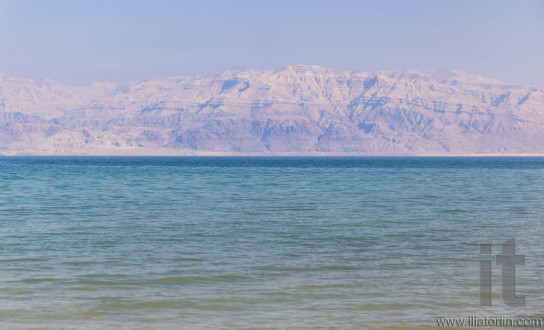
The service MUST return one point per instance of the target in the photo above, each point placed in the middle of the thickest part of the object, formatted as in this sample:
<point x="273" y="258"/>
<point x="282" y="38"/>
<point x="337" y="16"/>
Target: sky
<point x="81" y="42"/>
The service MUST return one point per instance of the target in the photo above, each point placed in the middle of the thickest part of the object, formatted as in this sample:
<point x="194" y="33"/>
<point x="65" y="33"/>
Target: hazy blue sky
<point x="86" y="41"/>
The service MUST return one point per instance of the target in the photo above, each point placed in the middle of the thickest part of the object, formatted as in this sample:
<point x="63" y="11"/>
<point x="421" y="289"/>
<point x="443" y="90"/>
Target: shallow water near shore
<point x="262" y="242"/>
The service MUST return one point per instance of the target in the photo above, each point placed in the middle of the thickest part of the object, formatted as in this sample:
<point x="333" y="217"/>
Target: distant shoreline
<point x="174" y="153"/>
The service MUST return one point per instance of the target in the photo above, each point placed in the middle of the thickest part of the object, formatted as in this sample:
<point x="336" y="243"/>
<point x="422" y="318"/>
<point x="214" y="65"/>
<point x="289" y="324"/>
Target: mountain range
<point x="298" y="109"/>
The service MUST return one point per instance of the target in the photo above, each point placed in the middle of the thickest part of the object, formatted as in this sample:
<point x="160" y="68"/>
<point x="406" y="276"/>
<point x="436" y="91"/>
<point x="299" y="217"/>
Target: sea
<point x="267" y="242"/>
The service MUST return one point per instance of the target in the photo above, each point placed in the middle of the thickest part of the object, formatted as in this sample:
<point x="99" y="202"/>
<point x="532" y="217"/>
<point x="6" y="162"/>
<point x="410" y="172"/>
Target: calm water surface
<point x="261" y="242"/>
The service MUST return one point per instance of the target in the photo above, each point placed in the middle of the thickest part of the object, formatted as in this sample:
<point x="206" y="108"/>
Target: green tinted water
<point x="261" y="242"/>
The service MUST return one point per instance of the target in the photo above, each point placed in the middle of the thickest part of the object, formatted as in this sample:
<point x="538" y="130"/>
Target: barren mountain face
<point x="297" y="109"/>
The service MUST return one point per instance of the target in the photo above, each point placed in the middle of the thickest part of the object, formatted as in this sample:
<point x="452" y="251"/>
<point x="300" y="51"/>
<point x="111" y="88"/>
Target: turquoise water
<point x="261" y="242"/>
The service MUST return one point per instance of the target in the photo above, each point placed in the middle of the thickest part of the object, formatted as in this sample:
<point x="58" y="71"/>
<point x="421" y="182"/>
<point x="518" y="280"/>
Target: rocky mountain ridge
<point x="297" y="109"/>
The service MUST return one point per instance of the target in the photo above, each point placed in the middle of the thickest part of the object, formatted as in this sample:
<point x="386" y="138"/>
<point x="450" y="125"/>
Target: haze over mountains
<point x="297" y="109"/>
